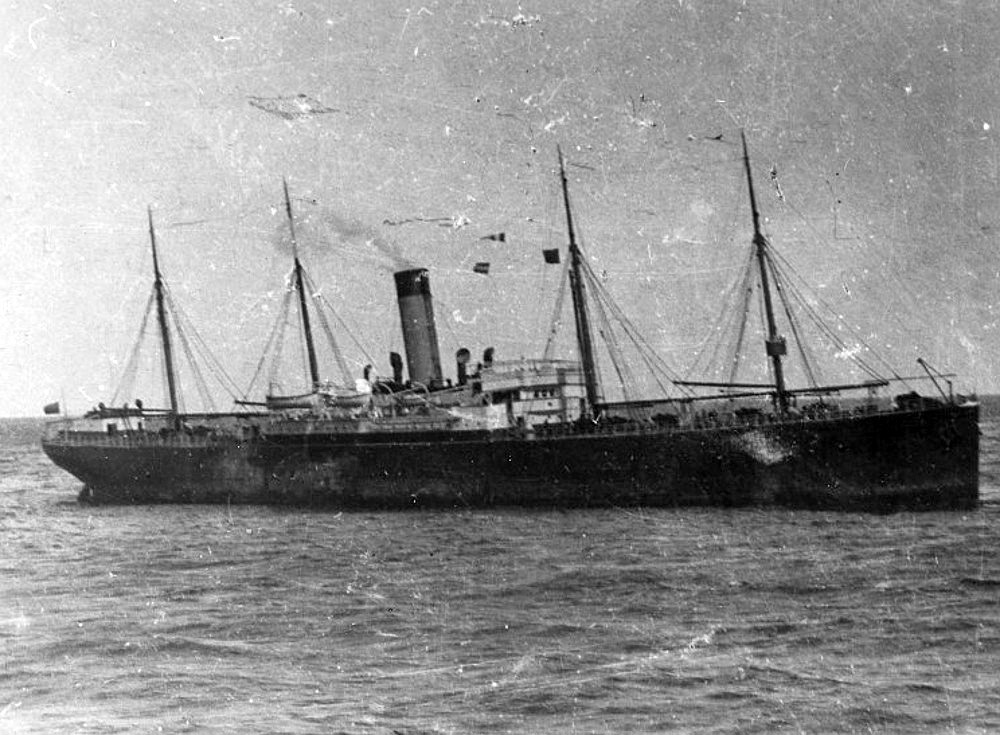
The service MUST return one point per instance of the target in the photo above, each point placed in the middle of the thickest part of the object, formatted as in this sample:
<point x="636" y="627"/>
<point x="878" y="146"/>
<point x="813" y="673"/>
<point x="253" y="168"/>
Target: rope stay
<point x="347" y="330"/>
<point x="273" y="343"/>
<point x="127" y="380"/>
<point x="741" y="317"/>
<point x="647" y="353"/>
<point x="195" y="349"/>
<point x="556" y="321"/>
<point x="185" y="327"/>
<point x="274" y="347"/>
<point x="799" y="302"/>
<point x="846" y="349"/>
<point x="325" y="324"/>
<point x="611" y="314"/>
<point x="792" y="322"/>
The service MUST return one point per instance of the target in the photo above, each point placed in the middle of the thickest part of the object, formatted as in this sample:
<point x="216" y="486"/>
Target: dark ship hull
<point x="533" y="432"/>
<point x="924" y="459"/>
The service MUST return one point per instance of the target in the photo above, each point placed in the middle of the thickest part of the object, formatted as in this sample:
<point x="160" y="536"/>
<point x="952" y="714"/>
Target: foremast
<point x="300" y="287"/>
<point x="581" y="316"/>
<point x="161" y="313"/>
<point x="774" y="343"/>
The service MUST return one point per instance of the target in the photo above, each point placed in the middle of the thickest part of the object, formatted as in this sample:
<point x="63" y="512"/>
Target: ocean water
<point x="259" y="620"/>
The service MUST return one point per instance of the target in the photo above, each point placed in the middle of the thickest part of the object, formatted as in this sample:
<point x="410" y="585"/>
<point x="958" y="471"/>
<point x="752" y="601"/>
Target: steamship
<point x="533" y="432"/>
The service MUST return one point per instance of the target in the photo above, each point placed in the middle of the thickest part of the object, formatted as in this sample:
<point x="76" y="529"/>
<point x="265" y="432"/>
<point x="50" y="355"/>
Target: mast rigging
<point x="300" y="287"/>
<point x="583" y="335"/>
<point x="774" y="343"/>
<point x="161" y="313"/>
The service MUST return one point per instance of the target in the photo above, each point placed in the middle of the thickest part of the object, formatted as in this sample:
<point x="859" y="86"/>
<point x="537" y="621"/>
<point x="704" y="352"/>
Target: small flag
<point x="498" y="237"/>
<point x="551" y="256"/>
<point x="51" y="408"/>
<point x="483" y="268"/>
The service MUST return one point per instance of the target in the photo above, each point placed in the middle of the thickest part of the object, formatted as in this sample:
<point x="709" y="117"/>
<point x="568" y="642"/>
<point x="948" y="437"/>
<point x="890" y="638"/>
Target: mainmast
<point x="161" y="312"/>
<point x="774" y="343"/>
<point x="583" y="336"/>
<point x="300" y="287"/>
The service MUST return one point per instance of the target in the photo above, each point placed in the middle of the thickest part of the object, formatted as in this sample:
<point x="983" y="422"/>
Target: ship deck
<point x="376" y="430"/>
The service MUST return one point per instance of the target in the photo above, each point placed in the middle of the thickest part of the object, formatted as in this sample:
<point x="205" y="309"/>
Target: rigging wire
<point x="184" y="324"/>
<point x="199" y="380"/>
<point x="787" y="284"/>
<point x="274" y="335"/>
<point x="738" y="319"/>
<point x="614" y="350"/>
<point x="743" y="317"/>
<point x="555" y="323"/>
<point x="840" y="319"/>
<point x="645" y="349"/>
<point x="304" y="346"/>
<point x="347" y="330"/>
<point x="281" y="328"/>
<point x="888" y="275"/>
<point x="727" y="320"/>
<point x="324" y="322"/>
<point x="650" y="357"/>
<point x="131" y="366"/>
<point x="761" y="314"/>
<point x="542" y="288"/>
<point x="792" y="322"/>
<point x="815" y="317"/>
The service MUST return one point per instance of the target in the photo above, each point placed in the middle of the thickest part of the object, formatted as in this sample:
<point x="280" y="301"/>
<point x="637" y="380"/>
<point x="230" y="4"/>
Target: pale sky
<point x="408" y="132"/>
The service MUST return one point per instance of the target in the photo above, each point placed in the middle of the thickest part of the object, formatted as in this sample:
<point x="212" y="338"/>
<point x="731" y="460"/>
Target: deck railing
<point x="61" y="432"/>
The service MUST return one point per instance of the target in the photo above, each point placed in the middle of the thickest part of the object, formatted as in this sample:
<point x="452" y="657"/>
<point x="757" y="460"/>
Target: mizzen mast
<point x="774" y="342"/>
<point x="300" y="287"/>
<point x="582" y="318"/>
<point x="161" y="312"/>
